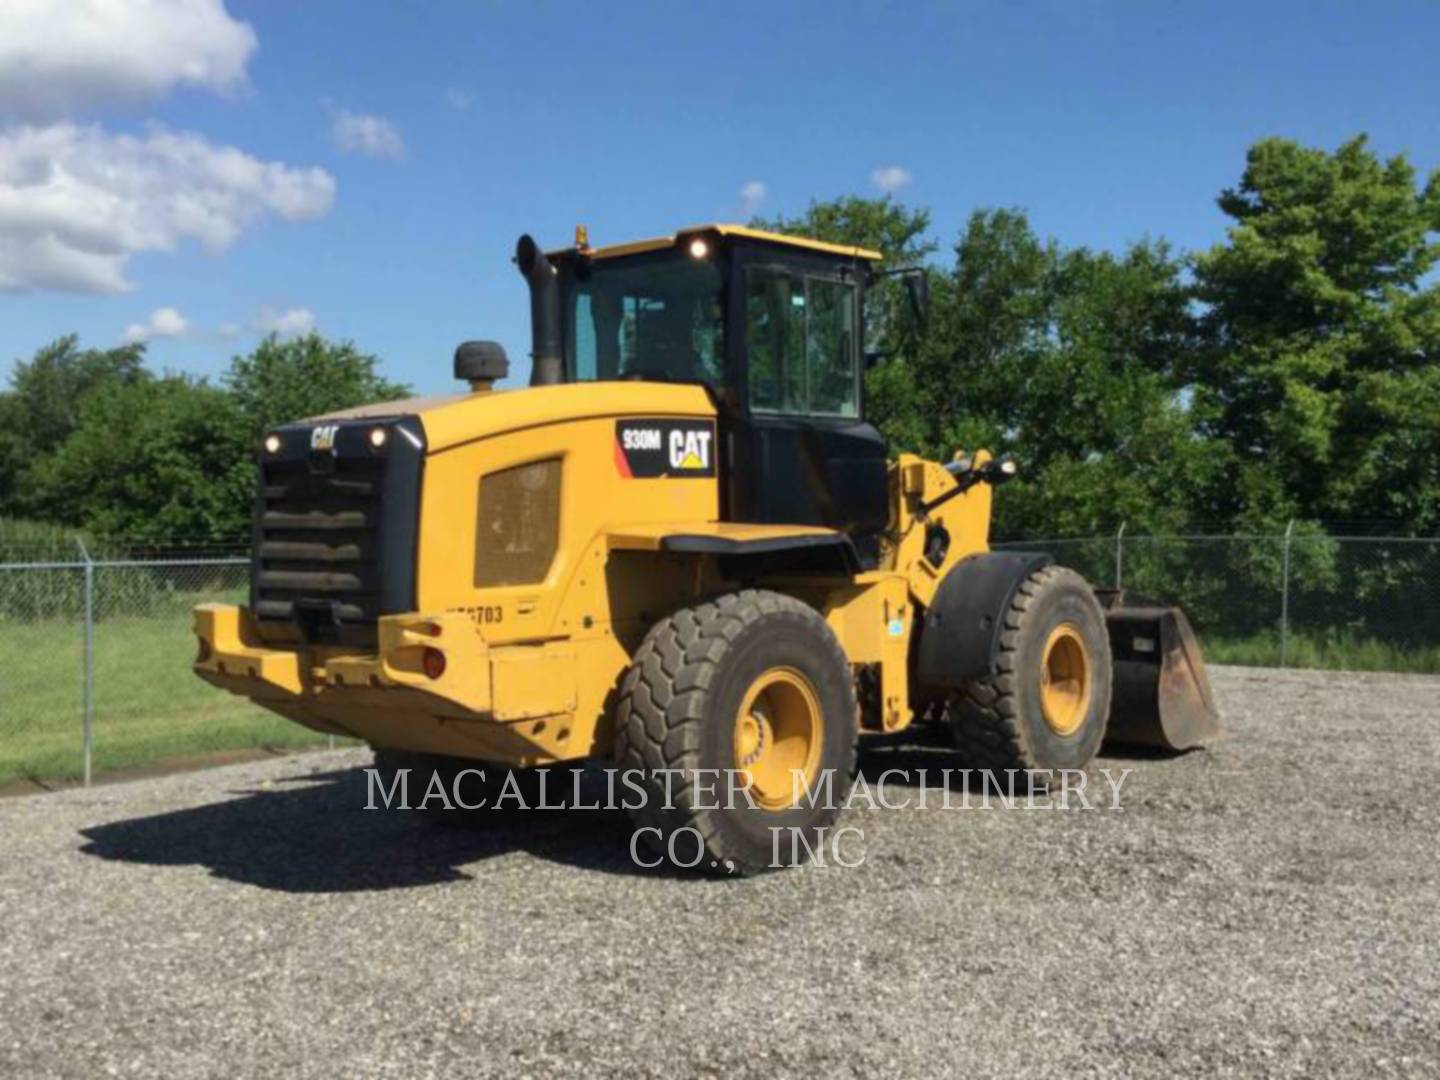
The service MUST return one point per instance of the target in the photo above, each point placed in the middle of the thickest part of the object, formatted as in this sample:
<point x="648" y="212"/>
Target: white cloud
<point x="890" y="178"/>
<point x="76" y="203"/>
<point x="57" y="56"/>
<point x="362" y="133"/>
<point x="164" y="322"/>
<point x="167" y="322"/>
<point x="752" y="194"/>
<point x="228" y="330"/>
<point x="459" y="98"/>
<point x="293" y="323"/>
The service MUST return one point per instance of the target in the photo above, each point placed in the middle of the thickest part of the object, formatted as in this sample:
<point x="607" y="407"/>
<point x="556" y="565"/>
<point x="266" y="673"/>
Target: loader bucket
<point x="1160" y="693"/>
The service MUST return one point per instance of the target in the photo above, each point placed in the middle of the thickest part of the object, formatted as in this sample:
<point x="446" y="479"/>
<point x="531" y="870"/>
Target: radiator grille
<point x="317" y="558"/>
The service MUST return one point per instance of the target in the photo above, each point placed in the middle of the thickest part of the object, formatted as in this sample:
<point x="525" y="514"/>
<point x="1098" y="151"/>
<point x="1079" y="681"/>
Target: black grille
<point x="334" y="534"/>
<point x="319" y="537"/>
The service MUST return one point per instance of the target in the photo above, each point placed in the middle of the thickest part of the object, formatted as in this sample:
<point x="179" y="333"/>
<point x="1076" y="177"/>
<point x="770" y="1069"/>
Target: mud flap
<point x="1160" y="693"/>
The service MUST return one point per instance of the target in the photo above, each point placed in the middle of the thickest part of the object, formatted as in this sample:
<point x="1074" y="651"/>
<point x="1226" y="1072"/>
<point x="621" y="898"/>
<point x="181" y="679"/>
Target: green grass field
<point x="148" y="704"/>
<point x="149" y="707"/>
<point x="1337" y="651"/>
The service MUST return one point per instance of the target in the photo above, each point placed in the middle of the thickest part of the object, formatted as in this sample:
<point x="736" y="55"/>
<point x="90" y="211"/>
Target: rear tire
<point x="1047" y="705"/>
<point x="752" y="685"/>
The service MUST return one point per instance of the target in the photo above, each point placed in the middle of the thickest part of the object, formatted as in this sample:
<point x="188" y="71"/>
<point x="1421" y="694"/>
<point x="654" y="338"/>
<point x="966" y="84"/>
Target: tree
<point x="123" y="453"/>
<point x="1323" y="336"/>
<point x="156" y="460"/>
<point x="44" y="403"/>
<point x="1068" y="359"/>
<point x="283" y="381"/>
<point x="896" y="231"/>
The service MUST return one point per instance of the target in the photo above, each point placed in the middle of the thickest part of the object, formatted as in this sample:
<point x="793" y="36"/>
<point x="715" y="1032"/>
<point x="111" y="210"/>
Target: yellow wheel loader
<point x="682" y="550"/>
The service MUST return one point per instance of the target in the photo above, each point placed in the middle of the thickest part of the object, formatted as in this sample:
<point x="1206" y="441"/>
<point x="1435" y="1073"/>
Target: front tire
<point x="1048" y="702"/>
<point x="743" y="692"/>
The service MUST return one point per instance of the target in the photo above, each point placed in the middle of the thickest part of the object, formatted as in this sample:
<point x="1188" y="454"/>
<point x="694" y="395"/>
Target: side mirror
<point x="917" y="290"/>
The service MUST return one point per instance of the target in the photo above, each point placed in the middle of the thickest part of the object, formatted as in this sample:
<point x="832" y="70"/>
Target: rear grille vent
<point x="318" y="541"/>
<point x="334" y="543"/>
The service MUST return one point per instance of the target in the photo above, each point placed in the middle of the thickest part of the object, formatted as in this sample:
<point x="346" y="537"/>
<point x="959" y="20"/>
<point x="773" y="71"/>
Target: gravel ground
<point x="1271" y="905"/>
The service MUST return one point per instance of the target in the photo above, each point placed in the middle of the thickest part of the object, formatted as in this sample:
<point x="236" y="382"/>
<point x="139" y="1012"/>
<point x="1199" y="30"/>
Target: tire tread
<point x="661" y="709"/>
<point x="985" y="716"/>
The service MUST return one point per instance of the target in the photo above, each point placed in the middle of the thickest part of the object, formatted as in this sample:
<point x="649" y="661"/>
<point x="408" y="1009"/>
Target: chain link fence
<point x="95" y="672"/>
<point x="95" y="654"/>
<point x="1368" y="603"/>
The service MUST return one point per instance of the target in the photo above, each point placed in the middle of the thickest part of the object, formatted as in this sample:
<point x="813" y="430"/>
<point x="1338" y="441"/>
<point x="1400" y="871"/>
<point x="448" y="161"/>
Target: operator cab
<point x="772" y="325"/>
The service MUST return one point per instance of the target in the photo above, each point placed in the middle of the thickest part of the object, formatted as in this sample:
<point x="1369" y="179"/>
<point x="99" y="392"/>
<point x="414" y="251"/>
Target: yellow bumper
<point x="512" y="704"/>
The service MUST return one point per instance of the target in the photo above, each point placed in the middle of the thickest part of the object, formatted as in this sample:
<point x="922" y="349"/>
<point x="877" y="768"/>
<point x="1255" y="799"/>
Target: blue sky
<point x="446" y="128"/>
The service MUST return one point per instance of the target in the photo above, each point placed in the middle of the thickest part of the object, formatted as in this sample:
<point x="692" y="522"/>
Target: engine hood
<point x="461" y="418"/>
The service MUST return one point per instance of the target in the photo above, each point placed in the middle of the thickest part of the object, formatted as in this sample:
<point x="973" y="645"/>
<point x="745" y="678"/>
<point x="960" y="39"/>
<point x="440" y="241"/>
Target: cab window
<point x="658" y="319"/>
<point x="800" y="332"/>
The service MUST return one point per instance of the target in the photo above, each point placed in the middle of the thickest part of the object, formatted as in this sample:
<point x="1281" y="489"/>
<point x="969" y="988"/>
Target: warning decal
<point x="654" y="448"/>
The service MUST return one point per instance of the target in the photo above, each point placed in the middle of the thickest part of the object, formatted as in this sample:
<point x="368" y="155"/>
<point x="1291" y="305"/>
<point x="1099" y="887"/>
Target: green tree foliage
<point x="283" y="381"/>
<point x="1320" y="372"/>
<point x="1066" y="358"/>
<point x="898" y="232"/>
<point x="42" y="407"/>
<point x="1288" y="372"/>
<point x="95" y="441"/>
<point x="154" y="460"/>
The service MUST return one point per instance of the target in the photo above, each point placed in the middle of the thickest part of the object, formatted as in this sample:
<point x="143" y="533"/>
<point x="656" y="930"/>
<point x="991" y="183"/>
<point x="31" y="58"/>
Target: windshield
<point x="657" y="318"/>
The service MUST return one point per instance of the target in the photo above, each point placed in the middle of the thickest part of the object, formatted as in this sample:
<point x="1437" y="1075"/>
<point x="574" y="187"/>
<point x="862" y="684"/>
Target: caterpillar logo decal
<point x="323" y="437"/>
<point x="654" y="448"/>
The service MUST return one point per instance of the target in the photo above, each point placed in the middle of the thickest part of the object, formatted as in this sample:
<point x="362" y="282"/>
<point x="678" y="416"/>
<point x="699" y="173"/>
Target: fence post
<point x="1119" y="555"/>
<point x="89" y="737"/>
<point x="1285" y="594"/>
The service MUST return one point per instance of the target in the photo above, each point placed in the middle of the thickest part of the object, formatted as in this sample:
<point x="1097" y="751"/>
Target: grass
<point x="150" y="707"/>
<point x="148" y="704"/>
<point x="1334" y="651"/>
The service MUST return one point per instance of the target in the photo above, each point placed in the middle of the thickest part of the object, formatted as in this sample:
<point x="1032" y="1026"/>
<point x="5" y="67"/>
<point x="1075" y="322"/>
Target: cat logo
<point x="690" y="449"/>
<point x="649" y="449"/>
<point x="323" y="437"/>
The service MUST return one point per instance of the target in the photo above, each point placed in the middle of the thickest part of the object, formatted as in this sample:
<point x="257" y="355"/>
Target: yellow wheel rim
<point x="1065" y="680"/>
<point x="778" y="734"/>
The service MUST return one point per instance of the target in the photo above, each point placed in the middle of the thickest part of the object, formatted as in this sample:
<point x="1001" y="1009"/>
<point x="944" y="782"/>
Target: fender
<point x="960" y="637"/>
<point x="745" y="549"/>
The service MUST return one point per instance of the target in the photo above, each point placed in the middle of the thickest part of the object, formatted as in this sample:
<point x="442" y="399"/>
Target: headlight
<point x="378" y="437"/>
<point x="272" y="444"/>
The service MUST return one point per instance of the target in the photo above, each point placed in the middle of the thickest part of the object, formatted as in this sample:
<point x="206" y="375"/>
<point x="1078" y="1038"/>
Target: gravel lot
<point x="1271" y="905"/>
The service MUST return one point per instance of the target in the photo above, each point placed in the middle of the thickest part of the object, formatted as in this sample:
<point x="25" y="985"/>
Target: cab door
<point x="798" y="448"/>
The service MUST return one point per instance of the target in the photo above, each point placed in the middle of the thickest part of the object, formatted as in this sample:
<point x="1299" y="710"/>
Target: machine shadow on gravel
<point x="311" y="834"/>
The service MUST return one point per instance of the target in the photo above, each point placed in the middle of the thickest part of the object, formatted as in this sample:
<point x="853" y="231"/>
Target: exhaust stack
<point x="546" y="353"/>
